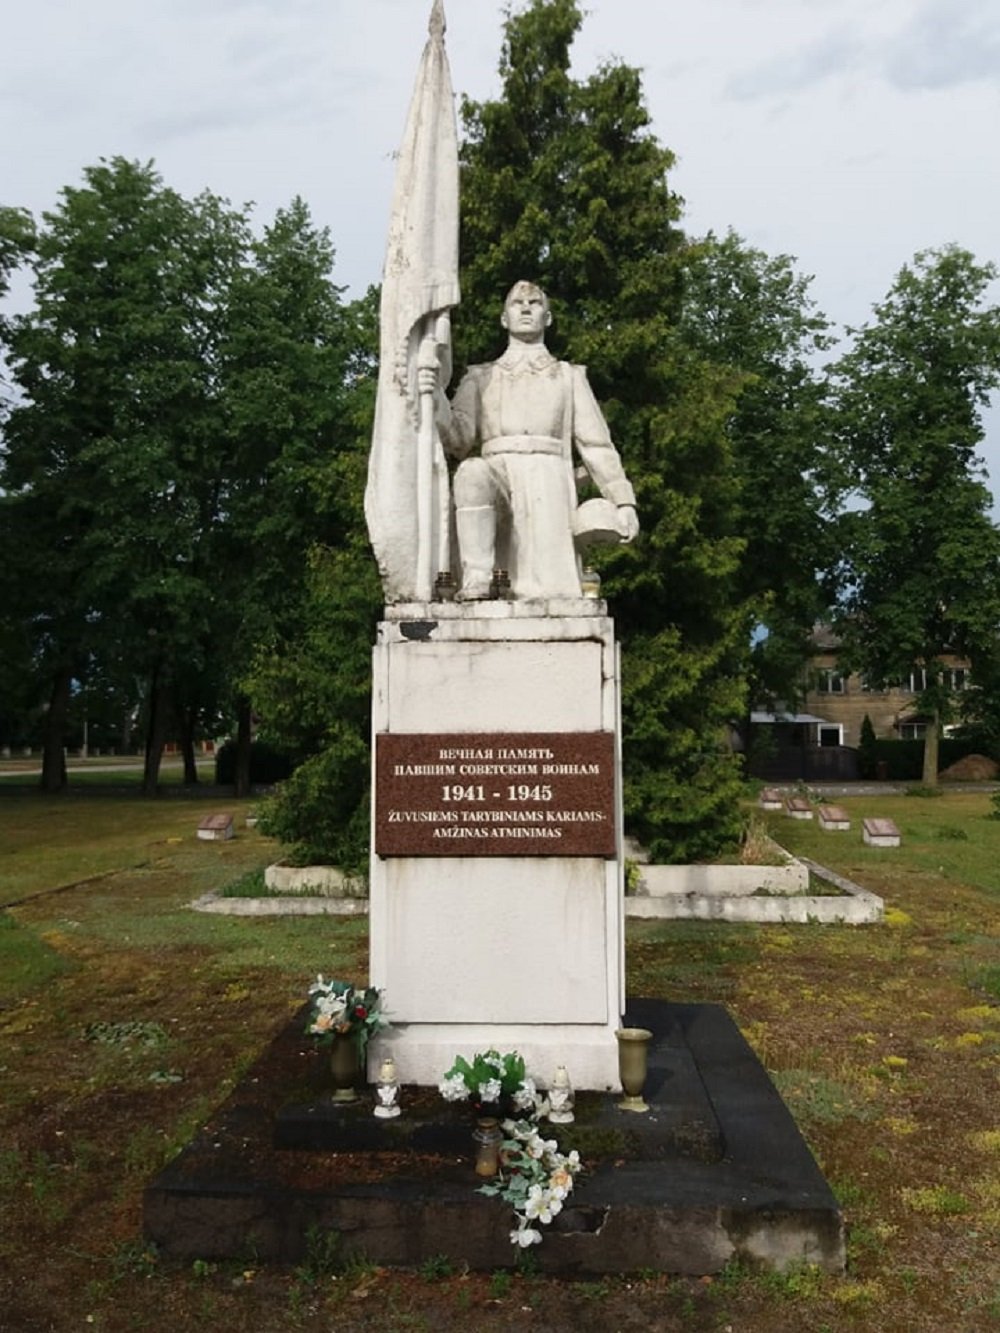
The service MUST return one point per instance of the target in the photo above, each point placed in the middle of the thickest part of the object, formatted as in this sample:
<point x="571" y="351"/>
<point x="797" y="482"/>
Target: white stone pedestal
<point x="474" y="951"/>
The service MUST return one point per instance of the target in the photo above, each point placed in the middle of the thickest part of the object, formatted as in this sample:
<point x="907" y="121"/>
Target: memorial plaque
<point x="495" y="794"/>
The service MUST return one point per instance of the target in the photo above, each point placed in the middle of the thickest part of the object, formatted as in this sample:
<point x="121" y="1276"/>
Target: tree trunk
<point x="931" y="748"/>
<point x="186" y="721"/>
<point x="156" y="731"/>
<point x="243" y="739"/>
<point x="54" y="753"/>
<point x="125" y="740"/>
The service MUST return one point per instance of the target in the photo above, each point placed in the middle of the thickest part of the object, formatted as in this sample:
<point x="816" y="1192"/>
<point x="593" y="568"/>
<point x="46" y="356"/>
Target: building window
<point x="830" y="681"/>
<point x="917" y="681"/>
<point x="831" y="734"/>
<point x="957" y="678"/>
<point x="912" y="731"/>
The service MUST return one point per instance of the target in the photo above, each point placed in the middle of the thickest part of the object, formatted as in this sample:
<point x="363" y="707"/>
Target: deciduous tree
<point x="752" y="314"/>
<point x="107" y="445"/>
<point x="922" y="552"/>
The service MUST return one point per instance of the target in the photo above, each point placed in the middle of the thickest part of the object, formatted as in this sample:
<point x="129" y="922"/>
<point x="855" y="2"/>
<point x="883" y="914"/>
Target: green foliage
<point x="183" y="391"/>
<point x="922" y="558"/>
<point x="127" y="1033"/>
<point x="867" y="749"/>
<point x="310" y="678"/>
<point x="903" y="760"/>
<point x="505" y="1072"/>
<point x="134" y="1258"/>
<point x="500" y="1284"/>
<point x="321" y="811"/>
<point x="313" y="691"/>
<point x="248" y="885"/>
<point x="752" y="314"/>
<point x="109" y="471"/>
<point x="267" y="764"/>
<point x="948" y="832"/>
<point x="17" y="242"/>
<point x="340" y="1009"/>
<point x="323" y="1257"/>
<point x="563" y="183"/>
<point x="436" y="1268"/>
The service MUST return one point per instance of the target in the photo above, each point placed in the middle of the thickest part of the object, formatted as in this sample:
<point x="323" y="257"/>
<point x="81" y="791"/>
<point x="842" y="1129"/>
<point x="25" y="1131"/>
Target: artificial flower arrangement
<point x="535" y="1177"/>
<point x="340" y="1009"/>
<point x="490" y="1080"/>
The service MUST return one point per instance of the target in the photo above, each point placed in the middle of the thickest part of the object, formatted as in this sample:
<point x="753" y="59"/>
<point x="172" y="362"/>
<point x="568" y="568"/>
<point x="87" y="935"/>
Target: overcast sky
<point x="847" y="133"/>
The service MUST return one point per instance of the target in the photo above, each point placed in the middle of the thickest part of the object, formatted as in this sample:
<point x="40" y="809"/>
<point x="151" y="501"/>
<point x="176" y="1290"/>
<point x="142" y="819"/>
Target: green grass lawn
<point x="50" y="841"/>
<point x="125" y="1017"/>
<point x="954" y="834"/>
<point x="101" y="771"/>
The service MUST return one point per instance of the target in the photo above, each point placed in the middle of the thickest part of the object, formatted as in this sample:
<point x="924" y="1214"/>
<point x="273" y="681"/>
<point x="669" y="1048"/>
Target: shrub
<point x="267" y="765"/>
<point x="321" y="811"/>
<point x="904" y="760"/>
<point x="867" y="747"/>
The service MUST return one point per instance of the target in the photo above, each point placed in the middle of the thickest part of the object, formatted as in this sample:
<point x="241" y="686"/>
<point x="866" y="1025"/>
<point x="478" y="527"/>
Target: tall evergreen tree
<point x="564" y="183"/>
<point x="922" y="567"/>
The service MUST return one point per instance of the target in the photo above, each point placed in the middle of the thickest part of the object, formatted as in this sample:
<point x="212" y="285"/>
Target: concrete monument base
<point x="496" y="727"/>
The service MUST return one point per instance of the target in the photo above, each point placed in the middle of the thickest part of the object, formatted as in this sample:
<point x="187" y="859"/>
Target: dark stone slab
<point x="717" y="1170"/>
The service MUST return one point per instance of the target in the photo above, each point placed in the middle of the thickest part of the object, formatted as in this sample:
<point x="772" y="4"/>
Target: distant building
<point x="843" y="699"/>
<point x="818" y="740"/>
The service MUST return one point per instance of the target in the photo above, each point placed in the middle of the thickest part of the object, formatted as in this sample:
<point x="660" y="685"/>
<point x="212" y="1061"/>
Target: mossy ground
<point x="124" y="1018"/>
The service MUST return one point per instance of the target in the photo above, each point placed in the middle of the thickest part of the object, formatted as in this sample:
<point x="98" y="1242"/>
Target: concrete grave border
<point x="733" y="893"/>
<point x="671" y="893"/>
<point x="325" y="890"/>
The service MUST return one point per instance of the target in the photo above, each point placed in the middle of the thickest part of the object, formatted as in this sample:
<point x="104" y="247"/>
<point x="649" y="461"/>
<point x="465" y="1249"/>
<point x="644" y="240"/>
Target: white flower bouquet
<point x="535" y="1179"/>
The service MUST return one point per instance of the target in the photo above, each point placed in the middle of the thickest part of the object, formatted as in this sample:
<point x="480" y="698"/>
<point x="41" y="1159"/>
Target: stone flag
<point x="407" y="497"/>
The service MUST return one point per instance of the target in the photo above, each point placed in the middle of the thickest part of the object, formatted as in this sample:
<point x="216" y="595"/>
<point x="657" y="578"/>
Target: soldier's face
<point x="526" y="314"/>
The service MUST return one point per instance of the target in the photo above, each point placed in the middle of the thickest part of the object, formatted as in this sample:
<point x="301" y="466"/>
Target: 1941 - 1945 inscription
<point x="495" y="794"/>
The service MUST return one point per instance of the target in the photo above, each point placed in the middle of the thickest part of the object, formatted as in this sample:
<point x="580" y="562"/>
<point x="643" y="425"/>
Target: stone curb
<point x="284" y="906"/>
<point x="728" y="901"/>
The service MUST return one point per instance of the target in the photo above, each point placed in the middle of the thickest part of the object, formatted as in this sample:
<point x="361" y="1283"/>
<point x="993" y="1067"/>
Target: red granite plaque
<point x="495" y="794"/>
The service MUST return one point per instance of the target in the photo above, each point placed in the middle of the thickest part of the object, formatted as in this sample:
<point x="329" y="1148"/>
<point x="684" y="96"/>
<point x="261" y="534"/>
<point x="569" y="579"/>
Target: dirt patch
<point x="971" y="768"/>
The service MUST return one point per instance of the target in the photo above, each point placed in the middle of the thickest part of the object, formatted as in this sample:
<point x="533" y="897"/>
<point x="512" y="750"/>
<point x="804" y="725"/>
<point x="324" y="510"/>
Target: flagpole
<point x="407" y="501"/>
<point x="427" y="360"/>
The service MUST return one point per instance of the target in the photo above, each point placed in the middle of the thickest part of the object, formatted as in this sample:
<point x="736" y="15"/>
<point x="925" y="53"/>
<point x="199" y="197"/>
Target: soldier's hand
<point x="427" y="378"/>
<point x="629" y="521"/>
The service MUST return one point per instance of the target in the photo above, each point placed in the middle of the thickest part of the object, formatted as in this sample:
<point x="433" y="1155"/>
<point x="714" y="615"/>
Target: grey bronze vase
<point x="633" y="1057"/>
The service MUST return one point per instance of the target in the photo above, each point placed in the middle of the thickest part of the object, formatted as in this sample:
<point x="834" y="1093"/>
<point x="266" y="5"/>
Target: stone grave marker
<point x="216" y="828"/>
<point x="770" y="799"/>
<point x="880" y="833"/>
<point x="797" y="807"/>
<point x="833" y="818"/>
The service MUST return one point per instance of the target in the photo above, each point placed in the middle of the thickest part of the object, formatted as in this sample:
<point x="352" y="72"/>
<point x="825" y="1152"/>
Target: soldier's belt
<point x="522" y="444"/>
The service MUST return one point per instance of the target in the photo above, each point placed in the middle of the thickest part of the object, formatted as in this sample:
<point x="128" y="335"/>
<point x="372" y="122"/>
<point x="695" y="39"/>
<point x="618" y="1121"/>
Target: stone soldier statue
<point x="516" y="503"/>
